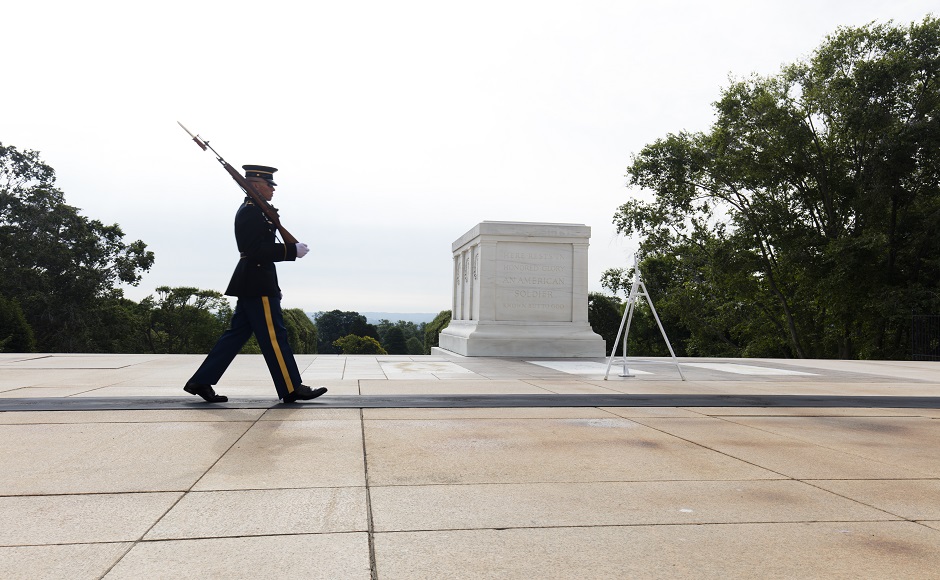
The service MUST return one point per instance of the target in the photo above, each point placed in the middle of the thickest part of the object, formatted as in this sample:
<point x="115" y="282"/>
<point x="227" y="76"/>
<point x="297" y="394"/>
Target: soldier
<point x="258" y="309"/>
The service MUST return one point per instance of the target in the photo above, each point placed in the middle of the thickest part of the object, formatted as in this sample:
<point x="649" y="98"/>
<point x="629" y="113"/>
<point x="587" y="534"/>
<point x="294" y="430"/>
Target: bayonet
<point x="269" y="210"/>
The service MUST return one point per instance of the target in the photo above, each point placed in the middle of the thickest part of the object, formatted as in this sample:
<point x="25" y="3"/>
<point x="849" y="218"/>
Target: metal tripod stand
<point x="636" y="290"/>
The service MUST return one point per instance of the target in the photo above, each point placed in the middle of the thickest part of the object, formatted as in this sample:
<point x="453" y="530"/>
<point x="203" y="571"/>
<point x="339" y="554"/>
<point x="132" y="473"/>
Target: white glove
<point x="302" y="250"/>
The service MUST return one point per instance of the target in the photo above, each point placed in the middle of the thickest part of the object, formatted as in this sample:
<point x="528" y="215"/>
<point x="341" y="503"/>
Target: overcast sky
<point x="396" y="125"/>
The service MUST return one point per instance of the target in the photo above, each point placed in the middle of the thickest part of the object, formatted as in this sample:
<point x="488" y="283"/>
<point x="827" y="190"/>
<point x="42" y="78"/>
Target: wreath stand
<point x="637" y="290"/>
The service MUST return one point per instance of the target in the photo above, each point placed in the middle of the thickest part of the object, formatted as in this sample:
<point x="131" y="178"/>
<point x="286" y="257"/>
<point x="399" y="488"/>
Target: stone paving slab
<point x="68" y="378"/>
<point x="439" y="451"/>
<point x="815" y="412"/>
<point x="778" y="550"/>
<point x="43" y="459"/>
<point x="304" y="557"/>
<point x="290" y="454"/>
<point x="80" y="519"/>
<point x="912" y="499"/>
<point x="39" y="392"/>
<point x="218" y="514"/>
<point x="487" y="413"/>
<point x="832" y="473"/>
<point x="435" y="386"/>
<point x="546" y="505"/>
<point x="60" y="562"/>
<point x="206" y="413"/>
<point x="904" y="442"/>
<point x="305" y="413"/>
<point x="780" y="454"/>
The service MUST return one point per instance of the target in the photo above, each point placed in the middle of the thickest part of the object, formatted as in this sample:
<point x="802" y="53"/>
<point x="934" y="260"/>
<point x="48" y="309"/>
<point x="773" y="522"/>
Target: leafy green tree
<point x="124" y="326"/>
<point x="394" y="342"/>
<point x="604" y="316"/>
<point x="60" y="266"/>
<point x="15" y="333"/>
<point x="382" y="327"/>
<point x="301" y="332"/>
<point x="186" y="320"/>
<point x="412" y="336"/>
<point x="352" y="344"/>
<point x="432" y="331"/>
<point x="804" y="223"/>
<point x="415" y="346"/>
<point x="336" y="324"/>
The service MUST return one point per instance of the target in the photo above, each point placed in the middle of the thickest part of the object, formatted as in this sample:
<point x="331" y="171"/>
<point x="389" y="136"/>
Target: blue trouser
<point x="260" y="315"/>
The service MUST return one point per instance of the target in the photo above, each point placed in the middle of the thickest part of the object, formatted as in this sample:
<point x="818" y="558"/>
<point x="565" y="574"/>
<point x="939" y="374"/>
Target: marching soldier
<point x="258" y="310"/>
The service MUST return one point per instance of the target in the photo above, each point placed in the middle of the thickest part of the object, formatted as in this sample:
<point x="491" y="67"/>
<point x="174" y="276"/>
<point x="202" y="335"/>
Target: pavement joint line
<point x="476" y="484"/>
<point x="370" y="523"/>
<point x="646" y="525"/>
<point x="860" y="502"/>
<point x="639" y="420"/>
<point x="186" y="539"/>
<point x="785" y="477"/>
<point x="729" y="419"/>
<point x="182" y="495"/>
<point x="268" y="535"/>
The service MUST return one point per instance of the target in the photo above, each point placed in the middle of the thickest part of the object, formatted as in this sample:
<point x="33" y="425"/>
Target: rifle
<point x="269" y="210"/>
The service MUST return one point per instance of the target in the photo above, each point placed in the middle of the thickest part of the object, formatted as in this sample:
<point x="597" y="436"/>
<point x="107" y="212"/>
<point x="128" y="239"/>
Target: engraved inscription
<point x="533" y="281"/>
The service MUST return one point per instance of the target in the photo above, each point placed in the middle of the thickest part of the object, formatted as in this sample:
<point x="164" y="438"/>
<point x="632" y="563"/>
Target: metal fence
<point x="925" y="337"/>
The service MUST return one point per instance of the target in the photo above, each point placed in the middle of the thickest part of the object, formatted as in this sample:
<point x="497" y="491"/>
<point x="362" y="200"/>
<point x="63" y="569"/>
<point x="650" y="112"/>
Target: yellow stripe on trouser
<point x="275" y="345"/>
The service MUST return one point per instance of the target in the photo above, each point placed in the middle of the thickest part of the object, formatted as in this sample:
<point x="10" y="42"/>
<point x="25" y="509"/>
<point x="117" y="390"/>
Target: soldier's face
<point x="264" y="188"/>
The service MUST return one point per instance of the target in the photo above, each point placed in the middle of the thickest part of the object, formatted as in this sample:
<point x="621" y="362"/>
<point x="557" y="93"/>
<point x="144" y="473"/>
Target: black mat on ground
<point x="471" y="401"/>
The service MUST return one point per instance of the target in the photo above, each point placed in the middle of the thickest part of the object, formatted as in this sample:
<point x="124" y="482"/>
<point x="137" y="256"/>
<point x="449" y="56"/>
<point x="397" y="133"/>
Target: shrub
<point x="352" y="344"/>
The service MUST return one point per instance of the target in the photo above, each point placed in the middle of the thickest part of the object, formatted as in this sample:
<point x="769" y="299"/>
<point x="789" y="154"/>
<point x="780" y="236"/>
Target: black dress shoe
<point x="304" y="393"/>
<point x="206" y="392"/>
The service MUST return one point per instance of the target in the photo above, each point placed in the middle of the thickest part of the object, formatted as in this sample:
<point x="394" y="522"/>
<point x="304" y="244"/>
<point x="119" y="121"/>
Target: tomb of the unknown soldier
<point x="520" y="289"/>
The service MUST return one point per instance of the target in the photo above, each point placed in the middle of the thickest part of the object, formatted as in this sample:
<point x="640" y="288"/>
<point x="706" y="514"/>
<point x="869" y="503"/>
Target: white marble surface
<point x="520" y="289"/>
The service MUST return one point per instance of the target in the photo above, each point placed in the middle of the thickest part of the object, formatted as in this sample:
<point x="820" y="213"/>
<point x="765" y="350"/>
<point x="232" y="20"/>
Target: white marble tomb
<point x="520" y="289"/>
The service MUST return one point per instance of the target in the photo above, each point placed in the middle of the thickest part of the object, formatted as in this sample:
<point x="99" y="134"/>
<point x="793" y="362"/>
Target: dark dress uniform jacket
<point x="255" y="274"/>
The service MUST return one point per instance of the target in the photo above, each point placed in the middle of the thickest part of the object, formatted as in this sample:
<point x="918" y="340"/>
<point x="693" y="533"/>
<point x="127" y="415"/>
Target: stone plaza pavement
<point x="450" y="467"/>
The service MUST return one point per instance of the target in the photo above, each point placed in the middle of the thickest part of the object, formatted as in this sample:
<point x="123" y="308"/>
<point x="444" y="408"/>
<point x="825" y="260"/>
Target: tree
<point x="432" y="331"/>
<point x="352" y="344"/>
<point x="412" y="336"/>
<point x="15" y="333"/>
<point x="124" y="326"/>
<point x="805" y="222"/>
<point x="335" y="324"/>
<point x="604" y="316"/>
<point x="186" y="320"/>
<point x="60" y="266"/>
<point x="301" y="332"/>
<point x="415" y="346"/>
<point x="394" y="342"/>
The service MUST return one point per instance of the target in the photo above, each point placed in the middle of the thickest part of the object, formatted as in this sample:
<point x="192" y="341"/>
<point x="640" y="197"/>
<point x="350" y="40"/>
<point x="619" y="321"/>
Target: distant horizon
<point x="372" y="317"/>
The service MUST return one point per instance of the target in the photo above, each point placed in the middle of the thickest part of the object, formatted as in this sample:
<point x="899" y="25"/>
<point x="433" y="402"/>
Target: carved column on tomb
<point x="458" y="288"/>
<point x="466" y="307"/>
<point x="580" y="278"/>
